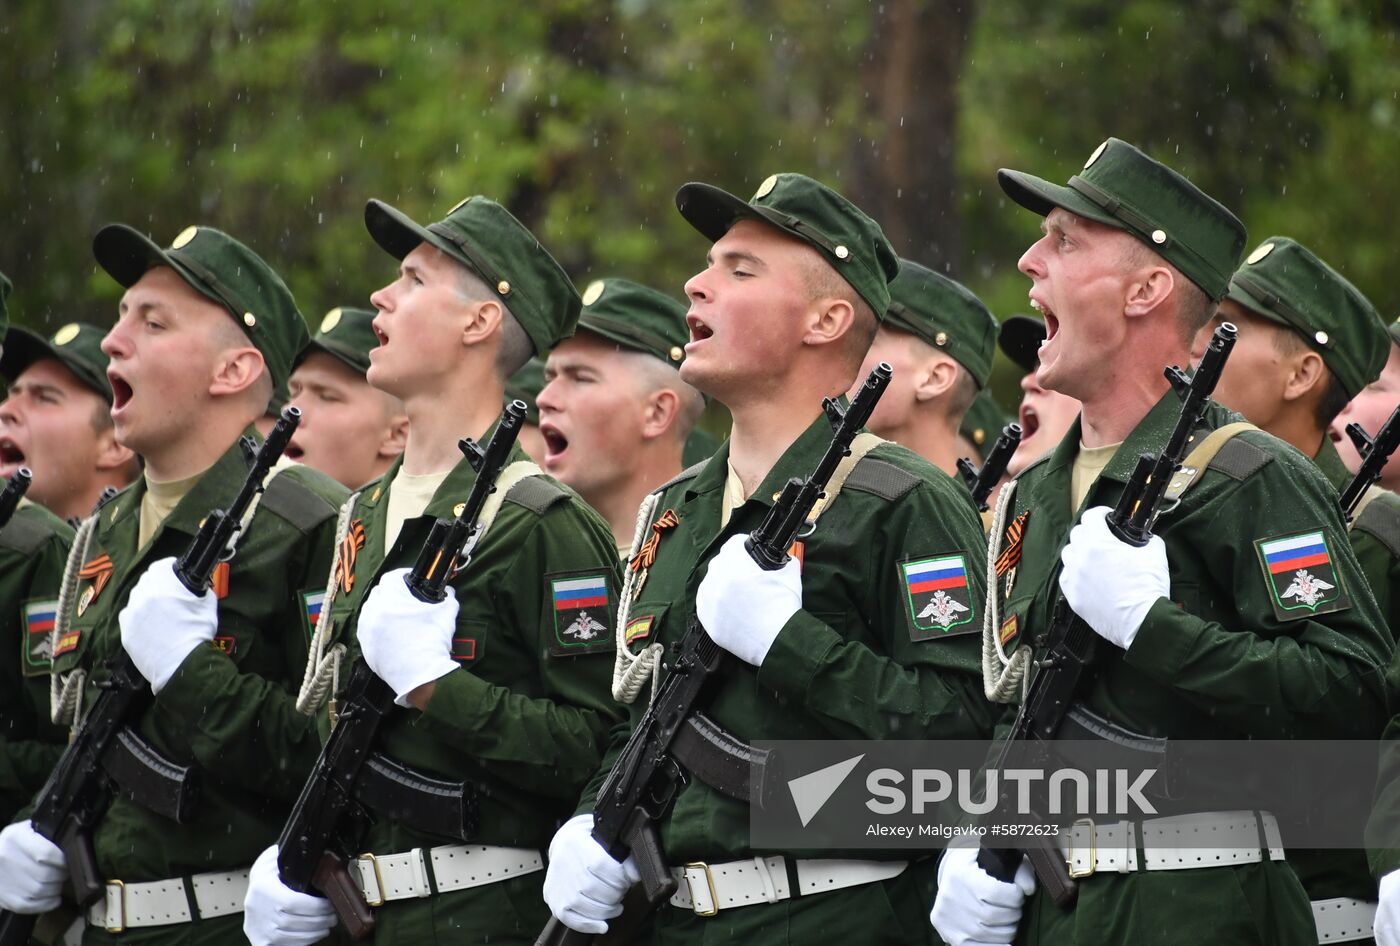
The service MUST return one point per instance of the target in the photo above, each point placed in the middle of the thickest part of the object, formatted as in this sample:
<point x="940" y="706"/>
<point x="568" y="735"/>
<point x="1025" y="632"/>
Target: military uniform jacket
<point x="525" y="716"/>
<point x="33" y="547"/>
<point x="230" y="708"/>
<point x="1243" y="649"/>
<point x="866" y="657"/>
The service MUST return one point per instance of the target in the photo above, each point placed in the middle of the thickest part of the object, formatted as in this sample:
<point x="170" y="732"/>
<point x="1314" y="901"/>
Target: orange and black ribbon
<point x="646" y="555"/>
<point x="349" y="550"/>
<point x="99" y="572"/>
<point x="1010" y="555"/>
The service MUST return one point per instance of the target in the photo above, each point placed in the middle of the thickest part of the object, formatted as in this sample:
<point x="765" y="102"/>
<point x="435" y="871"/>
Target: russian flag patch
<point x="39" y="618"/>
<point x="1301" y="577"/>
<point x="582" y="610"/>
<point x="938" y="596"/>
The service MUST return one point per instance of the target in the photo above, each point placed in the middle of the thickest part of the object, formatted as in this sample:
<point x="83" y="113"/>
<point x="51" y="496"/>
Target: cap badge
<point x="1263" y="250"/>
<point x="186" y="235"/>
<point x="1095" y="156"/>
<point x="66" y="334"/>
<point x="331" y="320"/>
<point x="593" y="293"/>
<point x="458" y="206"/>
<point x="766" y="188"/>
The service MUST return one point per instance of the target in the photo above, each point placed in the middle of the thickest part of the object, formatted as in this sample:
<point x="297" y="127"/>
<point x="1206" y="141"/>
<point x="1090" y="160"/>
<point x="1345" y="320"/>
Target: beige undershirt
<point x="734" y="495"/>
<point x="1087" y="466"/>
<point x="159" y="502"/>
<point x="408" y="497"/>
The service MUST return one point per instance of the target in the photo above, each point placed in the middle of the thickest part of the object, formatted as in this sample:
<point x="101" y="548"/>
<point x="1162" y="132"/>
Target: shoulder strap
<point x="1200" y="458"/>
<point x="1373" y="492"/>
<point x="513" y="475"/>
<point x="863" y="443"/>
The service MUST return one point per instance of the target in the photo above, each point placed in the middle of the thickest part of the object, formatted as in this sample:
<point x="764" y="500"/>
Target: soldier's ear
<point x="110" y="454"/>
<point x="828" y="320"/>
<point x="659" y="413"/>
<point x="1147" y="290"/>
<point x="483" y="320"/>
<point x="1308" y="373"/>
<point x="395" y="437"/>
<point x="936" y="376"/>
<point x="236" y="370"/>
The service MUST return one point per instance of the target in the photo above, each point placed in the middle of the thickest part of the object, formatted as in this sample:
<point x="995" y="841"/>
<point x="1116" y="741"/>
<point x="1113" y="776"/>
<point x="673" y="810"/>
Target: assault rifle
<point x="105" y="755"/>
<point x="981" y="482"/>
<point x="352" y="783"/>
<point x="1066" y="649"/>
<point x="1375" y="452"/>
<point x="14" y="490"/>
<point x="673" y="740"/>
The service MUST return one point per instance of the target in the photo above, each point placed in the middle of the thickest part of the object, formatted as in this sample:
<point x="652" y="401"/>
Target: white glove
<point x="406" y="641"/>
<point x="162" y="623"/>
<point x="276" y="915"/>
<point x="1387" y="928"/>
<point x="973" y="908"/>
<point x="741" y="606"/>
<point x="33" y="869"/>
<point x="584" y="886"/>
<point x="1111" y="584"/>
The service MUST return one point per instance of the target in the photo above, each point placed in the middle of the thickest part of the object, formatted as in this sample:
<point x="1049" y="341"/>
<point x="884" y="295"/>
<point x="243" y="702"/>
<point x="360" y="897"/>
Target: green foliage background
<point x="277" y="120"/>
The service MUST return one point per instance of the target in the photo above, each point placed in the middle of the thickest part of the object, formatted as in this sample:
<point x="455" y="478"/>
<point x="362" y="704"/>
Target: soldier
<point x="1370" y="409"/>
<point x="525" y="385"/>
<point x="614" y="412"/>
<point x="842" y="645"/>
<point x="1198" y="636"/>
<point x="939" y="338"/>
<point x="1044" y="415"/>
<point x="205" y="330"/>
<point x="504" y="683"/>
<point x="56" y="419"/>
<point x="33" y="547"/>
<point x="349" y="429"/>
<point x="1309" y="342"/>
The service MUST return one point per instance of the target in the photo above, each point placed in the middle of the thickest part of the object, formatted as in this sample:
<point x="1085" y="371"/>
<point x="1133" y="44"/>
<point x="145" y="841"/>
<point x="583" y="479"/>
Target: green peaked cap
<point x="346" y="334"/>
<point x="484" y="237"/>
<point x="77" y="346"/>
<point x="1124" y="188"/>
<point x="946" y="315"/>
<point x="223" y="270"/>
<point x="841" y="232"/>
<point x="1286" y="283"/>
<point x="636" y="317"/>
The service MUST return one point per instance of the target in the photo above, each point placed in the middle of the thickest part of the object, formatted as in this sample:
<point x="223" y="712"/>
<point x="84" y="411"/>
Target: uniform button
<point x="842" y="252"/>
<point x="1159" y="237"/>
<point x="1321" y="338"/>
<point x="249" y="319"/>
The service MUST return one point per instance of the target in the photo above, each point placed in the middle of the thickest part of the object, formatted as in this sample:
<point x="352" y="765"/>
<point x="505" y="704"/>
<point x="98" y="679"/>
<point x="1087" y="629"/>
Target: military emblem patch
<point x="69" y="641"/>
<point x="1009" y="629"/>
<point x="38" y="645"/>
<point x="1301" y="578"/>
<point x="938" y="597"/>
<point x="463" y="649"/>
<point x="639" y="629"/>
<point x="582" y="612"/>
<point x="311" y="603"/>
<point x="225" y="645"/>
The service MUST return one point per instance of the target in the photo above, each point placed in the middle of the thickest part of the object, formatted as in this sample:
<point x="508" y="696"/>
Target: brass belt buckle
<point x="378" y="878"/>
<point x="121" y="899"/>
<point x="1080" y="873"/>
<point x="709" y="882"/>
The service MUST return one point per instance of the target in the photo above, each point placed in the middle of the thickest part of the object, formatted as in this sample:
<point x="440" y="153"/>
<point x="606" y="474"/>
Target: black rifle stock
<point x="1068" y="645"/>
<point x="13" y="492"/>
<point x="646" y="777"/>
<point x="105" y="756"/>
<point x="1375" y="452"/>
<point x="351" y="782"/>
<point x="981" y="482"/>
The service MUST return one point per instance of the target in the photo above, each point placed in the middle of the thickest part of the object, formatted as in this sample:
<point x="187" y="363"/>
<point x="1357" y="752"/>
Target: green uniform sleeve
<point x="30" y="745"/>
<point x="544" y="736"/>
<point x="243" y="725"/>
<point x="1319" y="676"/>
<point x="929" y="688"/>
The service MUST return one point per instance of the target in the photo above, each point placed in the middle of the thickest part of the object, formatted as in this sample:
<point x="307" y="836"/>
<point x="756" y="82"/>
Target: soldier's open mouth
<point x="121" y="391"/>
<point x="699" y="331"/>
<point x="555" y="443"/>
<point x="294" y="451"/>
<point x="10" y="453"/>
<point x="1030" y="421"/>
